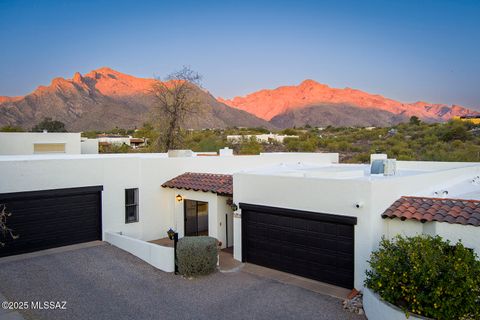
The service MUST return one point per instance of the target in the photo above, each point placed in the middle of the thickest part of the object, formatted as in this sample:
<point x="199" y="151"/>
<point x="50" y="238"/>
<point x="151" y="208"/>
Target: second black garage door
<point x="313" y="245"/>
<point x="51" y="218"/>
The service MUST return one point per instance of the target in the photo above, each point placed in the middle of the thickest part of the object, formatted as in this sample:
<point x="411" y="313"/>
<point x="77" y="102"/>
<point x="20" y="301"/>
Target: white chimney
<point x="377" y="156"/>
<point x="225" y="152"/>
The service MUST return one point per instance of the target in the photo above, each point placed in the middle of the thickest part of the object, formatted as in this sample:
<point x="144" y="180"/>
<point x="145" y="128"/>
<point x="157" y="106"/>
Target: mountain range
<point x="104" y="98"/>
<point x="320" y="105"/>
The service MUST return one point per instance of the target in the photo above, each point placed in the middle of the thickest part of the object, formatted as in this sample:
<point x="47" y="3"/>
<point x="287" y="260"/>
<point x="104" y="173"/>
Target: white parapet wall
<point x="160" y="257"/>
<point x="27" y="143"/>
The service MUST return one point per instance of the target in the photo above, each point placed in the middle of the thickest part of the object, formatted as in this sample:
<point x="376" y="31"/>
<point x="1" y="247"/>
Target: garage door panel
<point x="52" y="218"/>
<point x="322" y="227"/>
<point x="49" y="203"/>
<point x="308" y="244"/>
<point x="345" y="245"/>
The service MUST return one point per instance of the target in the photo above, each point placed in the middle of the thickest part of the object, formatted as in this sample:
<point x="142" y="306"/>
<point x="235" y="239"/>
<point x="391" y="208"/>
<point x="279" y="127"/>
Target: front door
<point x="196" y="218"/>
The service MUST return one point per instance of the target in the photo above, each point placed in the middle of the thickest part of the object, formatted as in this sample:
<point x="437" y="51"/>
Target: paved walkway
<point x="228" y="264"/>
<point x="301" y="282"/>
<point x="104" y="282"/>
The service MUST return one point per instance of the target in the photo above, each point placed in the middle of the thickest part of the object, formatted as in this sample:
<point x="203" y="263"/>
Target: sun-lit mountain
<point x="105" y="98"/>
<point x="318" y="104"/>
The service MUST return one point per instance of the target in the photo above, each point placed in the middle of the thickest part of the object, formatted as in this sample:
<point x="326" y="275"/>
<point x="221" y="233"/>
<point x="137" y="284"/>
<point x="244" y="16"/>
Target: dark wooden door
<point x="313" y="245"/>
<point x="52" y="218"/>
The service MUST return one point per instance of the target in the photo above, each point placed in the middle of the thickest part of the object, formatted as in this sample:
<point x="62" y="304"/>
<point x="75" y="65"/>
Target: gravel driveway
<point x="104" y="282"/>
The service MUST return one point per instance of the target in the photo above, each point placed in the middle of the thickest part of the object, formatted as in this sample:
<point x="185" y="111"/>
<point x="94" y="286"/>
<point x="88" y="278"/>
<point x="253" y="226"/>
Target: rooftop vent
<point x="387" y="167"/>
<point x="377" y="166"/>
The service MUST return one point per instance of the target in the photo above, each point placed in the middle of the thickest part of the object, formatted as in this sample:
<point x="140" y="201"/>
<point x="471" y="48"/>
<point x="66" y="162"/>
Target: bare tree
<point x="4" y="230"/>
<point x="176" y="100"/>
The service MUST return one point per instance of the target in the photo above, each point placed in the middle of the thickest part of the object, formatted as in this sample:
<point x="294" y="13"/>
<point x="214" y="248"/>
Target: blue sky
<point x="407" y="50"/>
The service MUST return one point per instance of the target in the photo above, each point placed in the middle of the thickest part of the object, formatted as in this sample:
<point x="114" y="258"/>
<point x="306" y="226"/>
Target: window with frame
<point x="131" y="205"/>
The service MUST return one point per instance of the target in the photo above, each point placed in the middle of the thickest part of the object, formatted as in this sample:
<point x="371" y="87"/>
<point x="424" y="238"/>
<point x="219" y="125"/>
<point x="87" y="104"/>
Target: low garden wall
<point x="378" y="309"/>
<point x="160" y="257"/>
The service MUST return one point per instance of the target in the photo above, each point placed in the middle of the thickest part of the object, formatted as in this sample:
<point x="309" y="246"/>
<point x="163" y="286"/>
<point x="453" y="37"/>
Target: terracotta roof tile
<point x="221" y="184"/>
<point x="460" y="211"/>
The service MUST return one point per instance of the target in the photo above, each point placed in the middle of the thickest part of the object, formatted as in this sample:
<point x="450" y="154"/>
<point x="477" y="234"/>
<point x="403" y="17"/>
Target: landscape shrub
<point x="428" y="276"/>
<point x="197" y="255"/>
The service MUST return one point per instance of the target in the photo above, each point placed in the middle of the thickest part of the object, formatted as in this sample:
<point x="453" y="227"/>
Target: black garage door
<point x="313" y="245"/>
<point x="51" y="218"/>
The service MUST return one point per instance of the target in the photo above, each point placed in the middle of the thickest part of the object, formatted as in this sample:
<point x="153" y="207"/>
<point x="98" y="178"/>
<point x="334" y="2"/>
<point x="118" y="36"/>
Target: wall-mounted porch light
<point x="179" y="198"/>
<point x="171" y="234"/>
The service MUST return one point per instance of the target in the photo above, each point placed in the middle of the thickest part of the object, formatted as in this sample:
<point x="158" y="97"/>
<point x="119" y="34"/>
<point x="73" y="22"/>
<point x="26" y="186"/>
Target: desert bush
<point x="250" y="146"/>
<point x="197" y="255"/>
<point x="454" y="130"/>
<point x="428" y="276"/>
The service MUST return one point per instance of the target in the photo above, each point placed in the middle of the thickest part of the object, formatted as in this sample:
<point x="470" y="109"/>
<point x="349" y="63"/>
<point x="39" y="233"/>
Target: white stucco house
<point x="303" y="213"/>
<point x="25" y="143"/>
<point x="264" y="138"/>
<point x="118" y="140"/>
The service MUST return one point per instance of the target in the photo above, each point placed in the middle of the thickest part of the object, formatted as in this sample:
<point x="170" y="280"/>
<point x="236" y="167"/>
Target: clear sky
<point x="407" y="50"/>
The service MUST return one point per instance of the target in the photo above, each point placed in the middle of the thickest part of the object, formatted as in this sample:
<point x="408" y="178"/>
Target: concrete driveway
<point x="104" y="282"/>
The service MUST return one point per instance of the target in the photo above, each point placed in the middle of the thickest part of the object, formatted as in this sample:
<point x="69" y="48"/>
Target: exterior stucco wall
<point x="407" y="228"/>
<point x="21" y="143"/>
<point x="467" y="234"/>
<point x="89" y="146"/>
<point x="146" y="172"/>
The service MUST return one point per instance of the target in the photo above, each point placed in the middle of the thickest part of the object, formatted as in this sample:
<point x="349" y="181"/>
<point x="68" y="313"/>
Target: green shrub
<point x="196" y="255"/>
<point x="428" y="276"/>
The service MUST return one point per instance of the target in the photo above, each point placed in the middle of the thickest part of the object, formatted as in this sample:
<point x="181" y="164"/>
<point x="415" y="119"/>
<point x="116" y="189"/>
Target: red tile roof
<point x="221" y="184"/>
<point x="459" y="211"/>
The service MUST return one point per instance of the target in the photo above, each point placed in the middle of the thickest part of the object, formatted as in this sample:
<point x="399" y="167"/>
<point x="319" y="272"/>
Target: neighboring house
<point x="25" y="143"/>
<point x="301" y="213"/>
<point x="112" y="139"/>
<point x="118" y="140"/>
<point x="271" y="137"/>
<point x="475" y="119"/>
<point x="136" y="143"/>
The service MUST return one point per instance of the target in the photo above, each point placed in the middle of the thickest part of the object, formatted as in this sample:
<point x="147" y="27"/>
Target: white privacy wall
<point x="120" y="171"/>
<point x="21" y="143"/>
<point x="160" y="257"/>
<point x="467" y="234"/>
